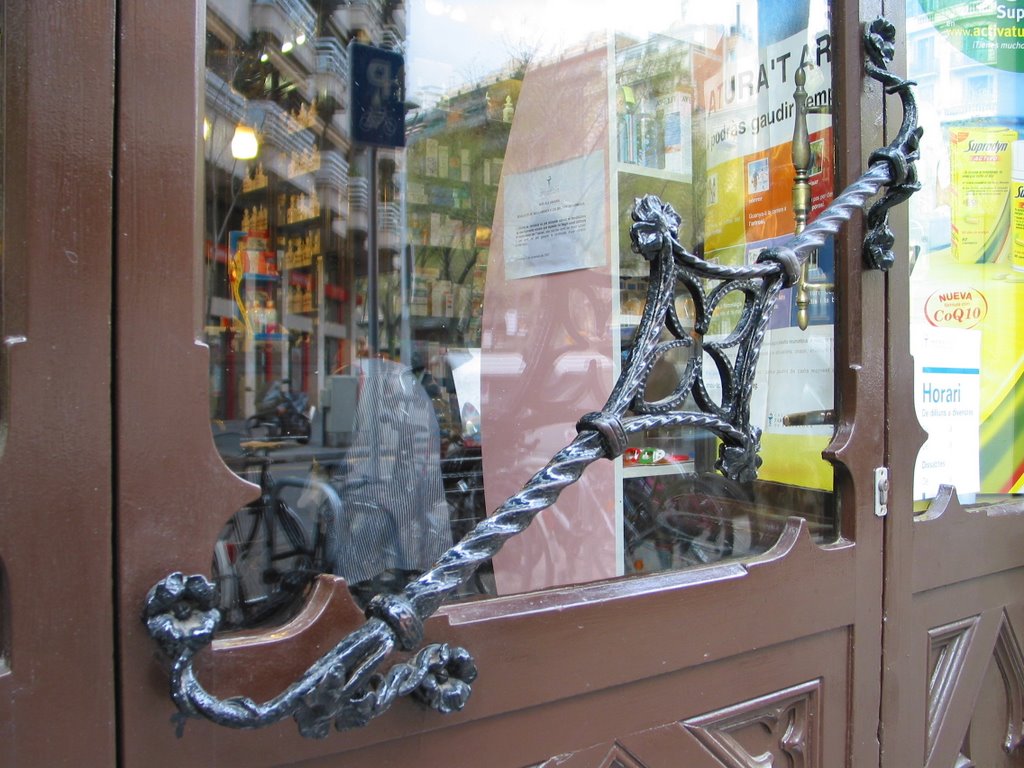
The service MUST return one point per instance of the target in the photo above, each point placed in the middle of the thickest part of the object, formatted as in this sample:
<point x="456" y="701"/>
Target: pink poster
<point x="547" y="343"/>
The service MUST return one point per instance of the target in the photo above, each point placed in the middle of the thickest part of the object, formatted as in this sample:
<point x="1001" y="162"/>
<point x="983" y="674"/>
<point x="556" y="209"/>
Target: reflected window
<point x="418" y="277"/>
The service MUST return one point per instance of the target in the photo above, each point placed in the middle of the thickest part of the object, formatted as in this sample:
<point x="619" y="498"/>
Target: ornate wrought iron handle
<point x="344" y="688"/>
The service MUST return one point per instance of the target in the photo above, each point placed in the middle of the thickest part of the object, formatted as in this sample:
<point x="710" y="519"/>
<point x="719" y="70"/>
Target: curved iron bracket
<point x="344" y="688"/>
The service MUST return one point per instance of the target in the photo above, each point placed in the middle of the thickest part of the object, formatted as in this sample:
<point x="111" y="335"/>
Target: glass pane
<point x="419" y="277"/>
<point x="967" y="249"/>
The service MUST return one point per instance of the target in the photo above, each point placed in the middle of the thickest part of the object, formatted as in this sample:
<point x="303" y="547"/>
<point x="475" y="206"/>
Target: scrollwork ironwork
<point x="343" y="688"/>
<point x="900" y="155"/>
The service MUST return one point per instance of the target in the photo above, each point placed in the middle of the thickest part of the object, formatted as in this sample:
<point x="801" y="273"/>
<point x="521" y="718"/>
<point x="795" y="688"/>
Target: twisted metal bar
<point x="343" y="688"/>
<point x="427" y="592"/>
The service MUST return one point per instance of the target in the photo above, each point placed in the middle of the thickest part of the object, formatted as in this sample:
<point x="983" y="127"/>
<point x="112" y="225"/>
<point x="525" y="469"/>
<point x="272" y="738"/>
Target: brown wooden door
<point x="56" y="557"/>
<point x="776" y="655"/>
<point x="953" y="678"/>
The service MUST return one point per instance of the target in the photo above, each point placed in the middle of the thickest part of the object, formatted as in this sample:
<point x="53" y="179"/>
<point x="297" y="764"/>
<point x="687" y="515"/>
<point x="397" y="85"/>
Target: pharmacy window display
<point x="967" y="246"/>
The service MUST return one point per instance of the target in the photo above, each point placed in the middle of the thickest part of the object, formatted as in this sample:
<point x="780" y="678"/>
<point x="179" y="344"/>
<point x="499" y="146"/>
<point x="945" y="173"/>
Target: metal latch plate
<point x="881" y="491"/>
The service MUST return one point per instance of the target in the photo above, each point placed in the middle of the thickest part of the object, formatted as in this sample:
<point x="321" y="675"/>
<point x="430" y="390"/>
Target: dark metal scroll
<point x="344" y="688"/>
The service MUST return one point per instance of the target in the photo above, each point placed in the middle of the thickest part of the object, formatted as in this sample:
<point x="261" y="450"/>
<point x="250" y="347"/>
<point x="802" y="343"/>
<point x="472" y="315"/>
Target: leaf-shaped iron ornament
<point x="344" y="688"/>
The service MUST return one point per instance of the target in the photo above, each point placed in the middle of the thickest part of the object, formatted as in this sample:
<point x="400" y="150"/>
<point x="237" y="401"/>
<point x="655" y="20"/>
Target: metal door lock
<point x="881" y="491"/>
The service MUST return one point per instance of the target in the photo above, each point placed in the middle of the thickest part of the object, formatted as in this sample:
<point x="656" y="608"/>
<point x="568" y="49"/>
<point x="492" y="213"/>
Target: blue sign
<point x="378" y="96"/>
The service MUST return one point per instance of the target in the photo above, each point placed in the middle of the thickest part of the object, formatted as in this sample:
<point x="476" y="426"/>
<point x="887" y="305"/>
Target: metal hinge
<point x="881" y="491"/>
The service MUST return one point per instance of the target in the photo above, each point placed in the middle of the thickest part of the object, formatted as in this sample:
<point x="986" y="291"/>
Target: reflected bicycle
<point x="267" y="555"/>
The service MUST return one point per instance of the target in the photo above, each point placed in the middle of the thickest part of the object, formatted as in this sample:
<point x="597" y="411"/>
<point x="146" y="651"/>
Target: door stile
<point x="856" y="448"/>
<point x="952" y="673"/>
<point x="900" y="718"/>
<point x="56" y="612"/>
<point x="170" y="476"/>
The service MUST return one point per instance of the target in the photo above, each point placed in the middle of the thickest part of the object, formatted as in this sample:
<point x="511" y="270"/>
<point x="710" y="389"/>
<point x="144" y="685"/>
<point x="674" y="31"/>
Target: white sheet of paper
<point x="555" y="218"/>
<point x="947" y="394"/>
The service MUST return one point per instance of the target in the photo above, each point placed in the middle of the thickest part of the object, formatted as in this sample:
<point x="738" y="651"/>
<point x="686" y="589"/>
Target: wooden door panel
<point x="797" y="714"/>
<point x="544" y="649"/>
<point x="962" y="635"/>
<point x="950" y="531"/>
<point x="56" y="560"/>
<point x="975" y="673"/>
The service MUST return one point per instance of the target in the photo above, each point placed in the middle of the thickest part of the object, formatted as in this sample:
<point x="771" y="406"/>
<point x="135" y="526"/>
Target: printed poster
<point x="947" y="397"/>
<point x="750" y="112"/>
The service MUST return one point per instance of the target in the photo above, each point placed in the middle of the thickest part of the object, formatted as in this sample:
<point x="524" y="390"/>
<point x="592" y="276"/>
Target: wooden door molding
<point x="56" y="560"/>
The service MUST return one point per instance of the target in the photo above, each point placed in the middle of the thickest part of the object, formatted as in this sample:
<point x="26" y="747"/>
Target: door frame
<point x="57" y="692"/>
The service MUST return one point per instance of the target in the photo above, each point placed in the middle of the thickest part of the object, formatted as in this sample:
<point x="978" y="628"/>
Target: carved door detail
<point x="778" y="729"/>
<point x="976" y="660"/>
<point x="786" y="721"/>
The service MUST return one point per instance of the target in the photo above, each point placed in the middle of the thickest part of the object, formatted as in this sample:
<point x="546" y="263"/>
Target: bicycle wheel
<point x="262" y="565"/>
<point x="703" y="516"/>
<point x="240" y="560"/>
<point x="224" y="575"/>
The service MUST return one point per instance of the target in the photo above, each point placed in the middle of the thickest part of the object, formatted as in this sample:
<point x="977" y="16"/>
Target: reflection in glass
<point x="3" y="238"/>
<point x="379" y="300"/>
<point x="967" y="250"/>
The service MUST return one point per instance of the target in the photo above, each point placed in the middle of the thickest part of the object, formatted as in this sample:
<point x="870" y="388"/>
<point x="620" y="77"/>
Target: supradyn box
<point x="980" y="171"/>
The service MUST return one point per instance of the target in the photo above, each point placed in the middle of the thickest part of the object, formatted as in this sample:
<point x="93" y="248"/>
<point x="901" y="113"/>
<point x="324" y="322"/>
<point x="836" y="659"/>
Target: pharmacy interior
<point x="418" y="273"/>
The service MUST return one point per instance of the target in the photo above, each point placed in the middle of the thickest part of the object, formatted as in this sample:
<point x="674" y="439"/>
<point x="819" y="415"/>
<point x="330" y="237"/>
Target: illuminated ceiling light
<point x="286" y="46"/>
<point x="264" y="57"/>
<point x="244" y="145"/>
<point x="207" y="128"/>
<point x="301" y="39"/>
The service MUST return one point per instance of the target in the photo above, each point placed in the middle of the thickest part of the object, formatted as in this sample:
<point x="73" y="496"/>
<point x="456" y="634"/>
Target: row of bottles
<point x="300" y="251"/>
<point x="300" y="299"/>
<point x="654" y="131"/>
<point x="299" y="207"/>
<point x="304" y="117"/>
<point x="256" y="181"/>
<point x="291" y="209"/>
<point x="261" y="315"/>
<point x="437" y="160"/>
<point x="437" y="229"/>
<point x="256" y="219"/>
<point x="306" y="161"/>
<point x="261" y="312"/>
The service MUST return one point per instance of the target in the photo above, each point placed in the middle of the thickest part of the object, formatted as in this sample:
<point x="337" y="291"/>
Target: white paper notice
<point x="947" y="376"/>
<point x="795" y="382"/>
<point x="555" y="218"/>
<point x="465" y="365"/>
<point x="794" y="377"/>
